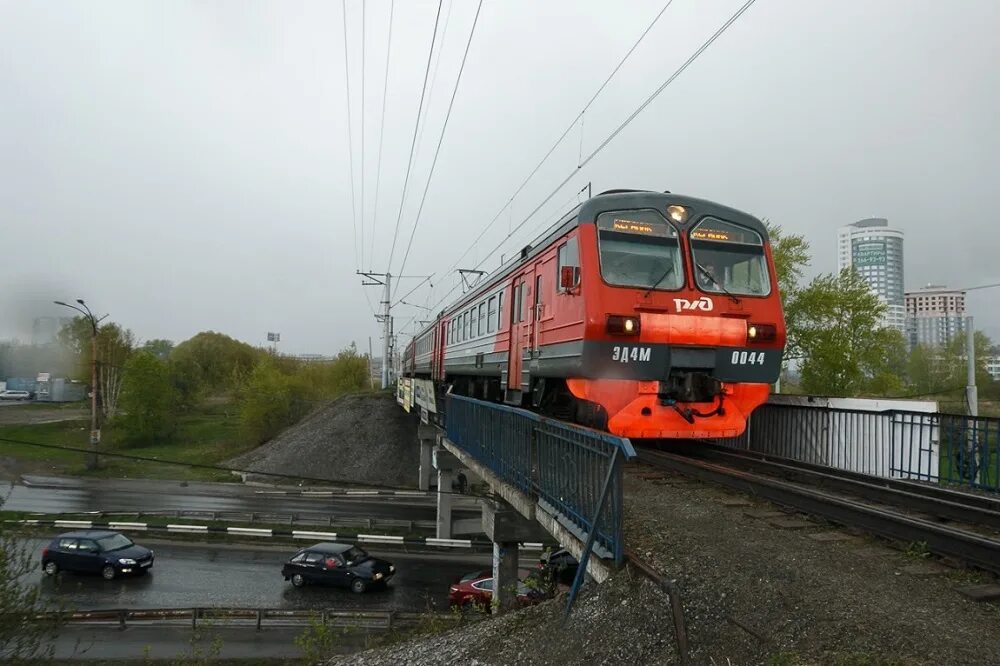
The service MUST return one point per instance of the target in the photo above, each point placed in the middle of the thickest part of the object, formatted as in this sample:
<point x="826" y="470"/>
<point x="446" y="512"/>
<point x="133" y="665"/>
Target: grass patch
<point x="208" y="435"/>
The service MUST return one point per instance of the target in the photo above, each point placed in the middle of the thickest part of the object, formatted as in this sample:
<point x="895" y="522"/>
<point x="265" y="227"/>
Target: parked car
<point x="338" y="564"/>
<point x="476" y="590"/>
<point x="104" y="552"/>
<point x="559" y="566"/>
<point x="15" y="395"/>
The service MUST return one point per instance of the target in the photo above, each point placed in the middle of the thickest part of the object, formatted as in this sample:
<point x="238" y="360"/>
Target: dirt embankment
<point x="624" y="621"/>
<point x="756" y="587"/>
<point x="366" y="439"/>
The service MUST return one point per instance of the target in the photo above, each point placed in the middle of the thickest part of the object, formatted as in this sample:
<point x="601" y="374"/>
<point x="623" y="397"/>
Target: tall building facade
<point x="875" y="251"/>
<point x="934" y="315"/>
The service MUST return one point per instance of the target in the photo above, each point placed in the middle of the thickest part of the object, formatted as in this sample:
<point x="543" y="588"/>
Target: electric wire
<point x="566" y="132"/>
<point x="381" y="130"/>
<point x="444" y="128"/>
<point x="687" y="63"/>
<point x="413" y="144"/>
<point x="350" y="140"/>
<point x="363" y="5"/>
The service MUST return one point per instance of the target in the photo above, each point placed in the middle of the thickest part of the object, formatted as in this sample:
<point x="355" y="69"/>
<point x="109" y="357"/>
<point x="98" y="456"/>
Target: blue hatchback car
<point x="104" y="552"/>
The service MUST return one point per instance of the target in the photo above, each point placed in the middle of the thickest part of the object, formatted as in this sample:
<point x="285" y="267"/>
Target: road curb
<point x="268" y="533"/>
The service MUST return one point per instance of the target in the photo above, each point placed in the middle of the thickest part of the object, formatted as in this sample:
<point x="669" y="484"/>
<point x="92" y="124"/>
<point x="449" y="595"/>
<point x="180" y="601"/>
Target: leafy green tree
<point x="22" y="635"/>
<point x="159" y="348"/>
<point x="148" y="402"/>
<point x="939" y="370"/>
<point x="845" y="350"/>
<point x="114" y="346"/>
<point x="791" y="257"/>
<point x="212" y="361"/>
<point x="269" y="401"/>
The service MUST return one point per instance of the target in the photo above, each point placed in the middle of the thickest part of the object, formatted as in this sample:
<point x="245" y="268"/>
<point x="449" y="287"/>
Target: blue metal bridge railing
<point x="575" y="470"/>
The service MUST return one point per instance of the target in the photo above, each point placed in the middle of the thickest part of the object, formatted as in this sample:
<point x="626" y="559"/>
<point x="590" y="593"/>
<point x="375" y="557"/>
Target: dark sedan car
<point x="337" y="564"/>
<point x="110" y="554"/>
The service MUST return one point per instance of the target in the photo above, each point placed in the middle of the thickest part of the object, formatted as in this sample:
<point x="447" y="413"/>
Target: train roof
<point x="587" y="212"/>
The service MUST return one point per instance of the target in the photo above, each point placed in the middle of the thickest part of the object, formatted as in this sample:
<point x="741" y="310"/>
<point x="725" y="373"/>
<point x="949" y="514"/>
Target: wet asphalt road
<point x="59" y="495"/>
<point x="200" y="575"/>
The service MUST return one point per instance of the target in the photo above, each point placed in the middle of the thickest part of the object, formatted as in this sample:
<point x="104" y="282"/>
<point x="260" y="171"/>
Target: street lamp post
<point x="971" y="390"/>
<point x="95" y="429"/>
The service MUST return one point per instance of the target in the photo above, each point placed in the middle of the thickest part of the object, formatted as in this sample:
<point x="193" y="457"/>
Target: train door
<point x="520" y="334"/>
<point x="437" y="357"/>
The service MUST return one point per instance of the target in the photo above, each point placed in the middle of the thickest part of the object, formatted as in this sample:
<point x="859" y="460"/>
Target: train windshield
<point x="639" y="248"/>
<point x="729" y="259"/>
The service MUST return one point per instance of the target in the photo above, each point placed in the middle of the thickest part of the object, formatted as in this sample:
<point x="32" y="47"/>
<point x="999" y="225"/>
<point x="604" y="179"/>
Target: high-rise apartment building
<point x="934" y="315"/>
<point x="875" y="251"/>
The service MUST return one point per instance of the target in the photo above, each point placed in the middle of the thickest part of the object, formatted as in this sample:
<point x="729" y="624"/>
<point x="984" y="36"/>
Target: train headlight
<point x="677" y="213"/>
<point x="623" y="325"/>
<point x="761" y="332"/>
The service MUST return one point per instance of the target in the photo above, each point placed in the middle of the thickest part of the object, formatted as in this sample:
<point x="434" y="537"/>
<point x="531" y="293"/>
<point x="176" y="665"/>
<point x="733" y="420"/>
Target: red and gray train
<point x="645" y="314"/>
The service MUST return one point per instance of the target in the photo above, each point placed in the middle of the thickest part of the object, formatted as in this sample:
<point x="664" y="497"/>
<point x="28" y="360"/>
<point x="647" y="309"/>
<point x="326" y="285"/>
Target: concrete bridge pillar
<point x="446" y="464"/>
<point x="428" y="438"/>
<point x="507" y="529"/>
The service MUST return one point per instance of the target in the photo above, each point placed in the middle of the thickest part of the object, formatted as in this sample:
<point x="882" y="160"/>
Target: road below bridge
<point x="63" y="495"/>
<point x="188" y="575"/>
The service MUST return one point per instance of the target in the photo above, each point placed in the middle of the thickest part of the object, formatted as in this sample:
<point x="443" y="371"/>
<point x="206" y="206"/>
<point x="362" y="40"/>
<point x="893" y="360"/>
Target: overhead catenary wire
<point x="444" y="128"/>
<point x="434" y="76"/>
<point x="363" y="5"/>
<point x="413" y="143"/>
<point x="563" y="136"/>
<point x="381" y="130"/>
<point x="687" y="63"/>
<point x="350" y="142"/>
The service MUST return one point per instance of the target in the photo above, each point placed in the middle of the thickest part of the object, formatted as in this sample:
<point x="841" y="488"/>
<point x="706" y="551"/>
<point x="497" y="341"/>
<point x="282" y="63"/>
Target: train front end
<point x="684" y="332"/>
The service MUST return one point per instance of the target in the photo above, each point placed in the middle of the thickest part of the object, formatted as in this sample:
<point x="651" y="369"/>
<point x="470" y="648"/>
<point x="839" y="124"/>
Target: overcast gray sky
<point x="184" y="165"/>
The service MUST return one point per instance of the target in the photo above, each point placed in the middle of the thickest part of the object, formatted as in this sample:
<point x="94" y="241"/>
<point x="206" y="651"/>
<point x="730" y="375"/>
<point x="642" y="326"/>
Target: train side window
<point x="491" y="315"/>
<point x="538" y="298"/>
<point x="523" y="298"/>
<point x="569" y="255"/>
<point x="499" y="310"/>
<point x="515" y="306"/>
<point x="482" y="318"/>
<point x="467" y="329"/>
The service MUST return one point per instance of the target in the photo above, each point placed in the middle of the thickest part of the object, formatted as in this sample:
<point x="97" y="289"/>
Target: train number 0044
<point x="748" y="358"/>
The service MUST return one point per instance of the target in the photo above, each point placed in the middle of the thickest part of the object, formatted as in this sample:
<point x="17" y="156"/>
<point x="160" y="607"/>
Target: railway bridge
<point x="561" y="483"/>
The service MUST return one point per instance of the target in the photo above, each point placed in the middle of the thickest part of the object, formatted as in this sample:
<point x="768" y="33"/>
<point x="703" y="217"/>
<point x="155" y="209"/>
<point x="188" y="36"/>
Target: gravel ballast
<point x="756" y="589"/>
<point x="361" y="438"/>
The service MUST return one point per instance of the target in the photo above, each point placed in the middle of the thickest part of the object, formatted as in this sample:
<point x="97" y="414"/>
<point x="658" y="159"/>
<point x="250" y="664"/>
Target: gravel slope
<point x="625" y="621"/>
<point x="364" y="438"/>
<point x="753" y="593"/>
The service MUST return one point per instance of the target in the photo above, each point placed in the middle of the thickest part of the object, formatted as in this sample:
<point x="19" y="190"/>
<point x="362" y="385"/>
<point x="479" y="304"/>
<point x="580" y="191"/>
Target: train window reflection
<point x="639" y="249"/>
<point x="729" y="259"/>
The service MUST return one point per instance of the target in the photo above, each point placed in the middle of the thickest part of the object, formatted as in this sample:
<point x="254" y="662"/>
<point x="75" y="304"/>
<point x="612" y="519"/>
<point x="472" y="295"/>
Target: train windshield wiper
<point x="708" y="274"/>
<point x="670" y="269"/>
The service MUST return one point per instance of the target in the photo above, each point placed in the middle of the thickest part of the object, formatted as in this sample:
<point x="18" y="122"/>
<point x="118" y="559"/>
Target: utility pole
<point x="385" y="317"/>
<point x="971" y="392"/>
<point x="371" y="380"/>
<point x="95" y="428"/>
<point x="384" y="279"/>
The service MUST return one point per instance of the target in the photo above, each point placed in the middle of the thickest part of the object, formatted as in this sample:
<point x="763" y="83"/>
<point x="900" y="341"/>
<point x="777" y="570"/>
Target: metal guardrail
<point x="948" y="449"/>
<point x="254" y="517"/>
<point x="365" y="619"/>
<point x="576" y="470"/>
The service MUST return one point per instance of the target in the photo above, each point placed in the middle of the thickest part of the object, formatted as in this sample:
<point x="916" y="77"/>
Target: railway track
<point x="952" y="524"/>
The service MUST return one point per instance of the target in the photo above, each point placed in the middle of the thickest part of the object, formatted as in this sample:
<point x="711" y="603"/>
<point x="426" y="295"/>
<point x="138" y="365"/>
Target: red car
<point x="476" y="589"/>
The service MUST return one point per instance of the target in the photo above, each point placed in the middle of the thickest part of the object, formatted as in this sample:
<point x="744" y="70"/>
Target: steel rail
<point x="941" y="502"/>
<point x="976" y="549"/>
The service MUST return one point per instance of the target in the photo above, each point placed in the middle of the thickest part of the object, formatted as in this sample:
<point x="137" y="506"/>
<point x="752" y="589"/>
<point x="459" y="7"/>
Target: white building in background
<point x="934" y="315"/>
<point x="993" y="367"/>
<point x="875" y="251"/>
